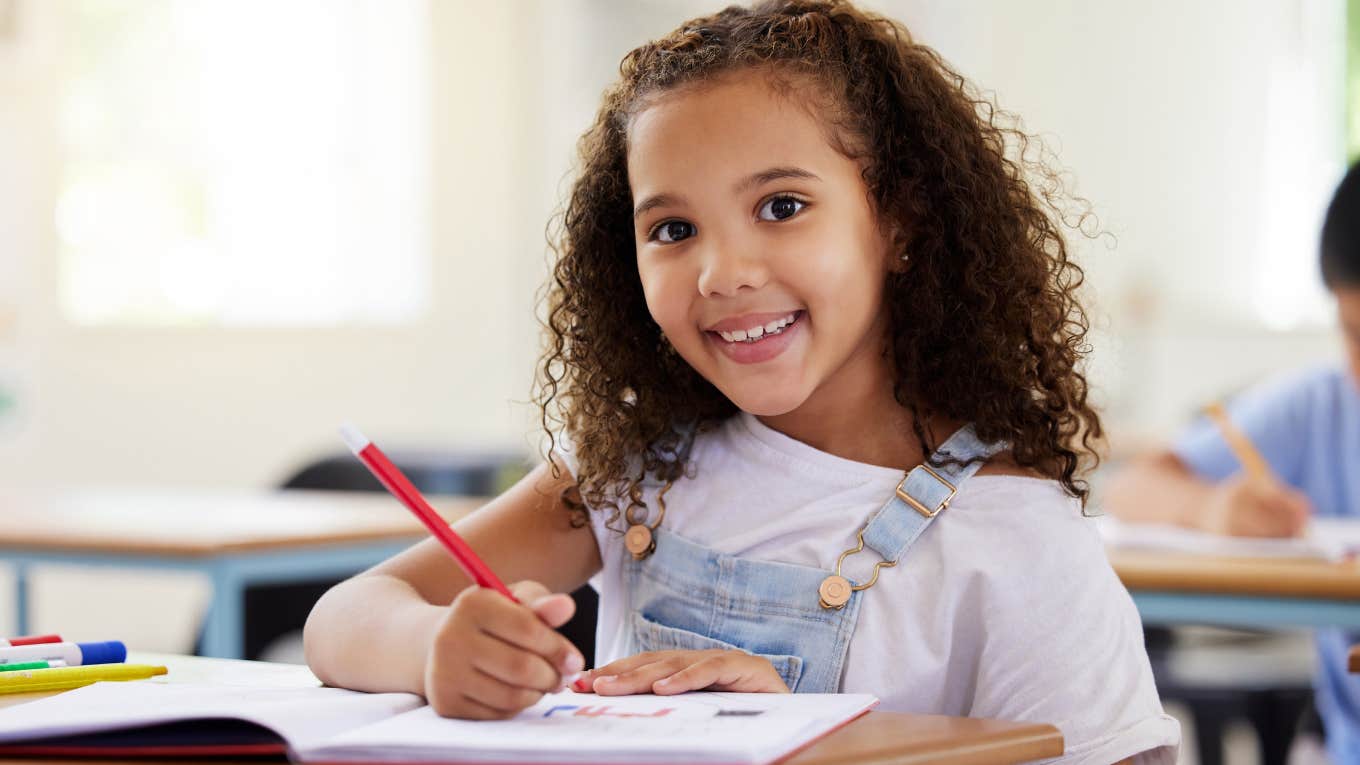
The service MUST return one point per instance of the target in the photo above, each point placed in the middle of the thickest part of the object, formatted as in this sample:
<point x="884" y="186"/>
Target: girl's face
<point x="758" y="248"/>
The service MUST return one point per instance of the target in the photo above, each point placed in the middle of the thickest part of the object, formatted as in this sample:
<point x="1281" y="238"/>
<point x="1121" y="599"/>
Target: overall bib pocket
<point x="652" y="636"/>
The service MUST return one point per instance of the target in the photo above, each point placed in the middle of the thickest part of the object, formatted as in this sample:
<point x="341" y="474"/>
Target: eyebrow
<point x="751" y="181"/>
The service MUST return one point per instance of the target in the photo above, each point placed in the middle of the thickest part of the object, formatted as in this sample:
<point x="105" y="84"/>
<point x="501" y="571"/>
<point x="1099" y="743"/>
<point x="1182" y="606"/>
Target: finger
<point x="1302" y="507"/>
<point x="1288" y="506"/>
<point x="694" y="677"/>
<point x="628" y="663"/>
<point x="728" y="671"/>
<point x="528" y="591"/>
<point x="519" y="626"/>
<point x="640" y="679"/>
<point x="472" y="709"/>
<point x="513" y="665"/>
<point x="554" y="610"/>
<point x="1282" y="516"/>
<point x="488" y="690"/>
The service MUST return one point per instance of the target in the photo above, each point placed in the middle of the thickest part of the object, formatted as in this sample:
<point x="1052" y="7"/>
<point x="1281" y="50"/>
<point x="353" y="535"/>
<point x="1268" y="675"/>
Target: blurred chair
<point x="275" y="611"/>
<point x="1223" y="676"/>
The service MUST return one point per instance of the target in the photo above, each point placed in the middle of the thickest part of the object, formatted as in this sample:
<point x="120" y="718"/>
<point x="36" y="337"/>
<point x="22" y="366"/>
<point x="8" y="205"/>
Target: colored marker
<point x="74" y="654"/>
<point x="29" y="640"/>
<point x="63" y="678"/>
<point x="31" y="665"/>
<point x="401" y="488"/>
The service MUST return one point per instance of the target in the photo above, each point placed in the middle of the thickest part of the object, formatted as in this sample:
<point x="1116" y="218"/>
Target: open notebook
<point x="1331" y="539"/>
<point x="334" y="725"/>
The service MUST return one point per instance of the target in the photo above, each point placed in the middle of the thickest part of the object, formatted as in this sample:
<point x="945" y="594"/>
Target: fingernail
<point x="581" y="685"/>
<point x="663" y="681"/>
<point x="574" y="664"/>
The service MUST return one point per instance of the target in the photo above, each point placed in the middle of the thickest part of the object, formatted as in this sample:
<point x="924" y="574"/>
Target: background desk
<point x="233" y="538"/>
<point x="877" y="737"/>
<point x="1177" y="588"/>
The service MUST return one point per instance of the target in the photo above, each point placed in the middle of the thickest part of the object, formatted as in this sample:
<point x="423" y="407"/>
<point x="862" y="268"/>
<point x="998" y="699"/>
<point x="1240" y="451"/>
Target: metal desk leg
<point x="21" y="599"/>
<point x="224" y="627"/>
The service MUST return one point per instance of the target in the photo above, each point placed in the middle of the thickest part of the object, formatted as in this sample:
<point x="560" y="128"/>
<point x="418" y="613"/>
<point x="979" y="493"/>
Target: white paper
<point x="569" y="727"/>
<point x="1331" y="539"/>
<point x="302" y="716"/>
<point x="330" y="724"/>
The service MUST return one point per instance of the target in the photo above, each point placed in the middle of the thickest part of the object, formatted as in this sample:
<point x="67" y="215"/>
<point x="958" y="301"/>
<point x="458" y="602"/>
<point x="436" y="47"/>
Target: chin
<point x="766" y="405"/>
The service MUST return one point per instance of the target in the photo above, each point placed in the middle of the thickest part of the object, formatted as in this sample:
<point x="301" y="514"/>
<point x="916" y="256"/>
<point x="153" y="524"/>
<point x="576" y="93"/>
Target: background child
<point x="796" y="265"/>
<point x="1307" y="427"/>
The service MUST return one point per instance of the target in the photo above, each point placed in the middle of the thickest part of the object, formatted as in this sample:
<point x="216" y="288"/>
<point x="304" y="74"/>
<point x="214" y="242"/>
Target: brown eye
<point x="781" y="208"/>
<point x="672" y="231"/>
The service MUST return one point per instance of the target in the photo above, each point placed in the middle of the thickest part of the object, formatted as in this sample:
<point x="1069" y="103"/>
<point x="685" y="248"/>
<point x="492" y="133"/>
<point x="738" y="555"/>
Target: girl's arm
<point x="375" y="631"/>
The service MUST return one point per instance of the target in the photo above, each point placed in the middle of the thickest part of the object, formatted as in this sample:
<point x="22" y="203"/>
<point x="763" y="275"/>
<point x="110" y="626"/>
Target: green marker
<point x="28" y="665"/>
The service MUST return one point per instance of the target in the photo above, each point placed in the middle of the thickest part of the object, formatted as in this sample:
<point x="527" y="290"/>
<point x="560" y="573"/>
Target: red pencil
<point x="401" y="488"/>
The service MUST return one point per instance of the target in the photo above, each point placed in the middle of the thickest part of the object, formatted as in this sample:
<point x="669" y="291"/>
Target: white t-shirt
<point x="1005" y="607"/>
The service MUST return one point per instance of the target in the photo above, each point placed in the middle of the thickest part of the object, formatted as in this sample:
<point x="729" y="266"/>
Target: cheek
<point x="665" y="291"/>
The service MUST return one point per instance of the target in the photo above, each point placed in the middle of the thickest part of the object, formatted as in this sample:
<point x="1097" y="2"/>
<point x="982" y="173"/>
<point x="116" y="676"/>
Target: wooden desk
<point x="235" y="538"/>
<point x="1263" y="593"/>
<point x="877" y="737"/>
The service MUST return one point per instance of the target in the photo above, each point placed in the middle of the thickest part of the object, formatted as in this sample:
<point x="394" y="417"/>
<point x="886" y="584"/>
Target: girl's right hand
<point x="491" y="658"/>
<point x="1255" y="507"/>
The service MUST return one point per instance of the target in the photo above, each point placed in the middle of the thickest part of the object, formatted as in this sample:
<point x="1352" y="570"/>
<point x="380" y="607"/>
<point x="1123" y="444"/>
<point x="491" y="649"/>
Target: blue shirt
<point x="1307" y="426"/>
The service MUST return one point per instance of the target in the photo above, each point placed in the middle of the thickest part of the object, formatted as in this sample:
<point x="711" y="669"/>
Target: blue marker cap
<point x="103" y="652"/>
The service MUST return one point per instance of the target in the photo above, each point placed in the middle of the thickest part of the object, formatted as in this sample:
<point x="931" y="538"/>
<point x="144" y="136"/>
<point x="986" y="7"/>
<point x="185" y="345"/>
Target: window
<point x="243" y="163"/>
<point x="1301" y="163"/>
<point x="1353" y="81"/>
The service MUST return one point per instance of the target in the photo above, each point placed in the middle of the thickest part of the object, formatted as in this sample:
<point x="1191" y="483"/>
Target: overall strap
<point x="925" y="491"/>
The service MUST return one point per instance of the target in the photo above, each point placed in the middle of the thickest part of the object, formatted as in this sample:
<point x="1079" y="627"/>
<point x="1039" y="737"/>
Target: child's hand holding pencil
<point x="492" y="657"/>
<point x="1254" y="502"/>
<point x="496" y="650"/>
<point x="1250" y="506"/>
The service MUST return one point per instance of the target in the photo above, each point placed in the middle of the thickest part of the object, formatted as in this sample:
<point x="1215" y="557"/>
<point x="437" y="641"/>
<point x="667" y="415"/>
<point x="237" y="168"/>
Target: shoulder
<point x="1004" y="464"/>
<point x="1007" y="503"/>
<point x="1323" y="385"/>
<point x="1062" y="641"/>
<point x="999" y="525"/>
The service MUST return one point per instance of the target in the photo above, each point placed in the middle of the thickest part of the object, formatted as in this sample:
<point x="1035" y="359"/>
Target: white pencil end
<point x="353" y="438"/>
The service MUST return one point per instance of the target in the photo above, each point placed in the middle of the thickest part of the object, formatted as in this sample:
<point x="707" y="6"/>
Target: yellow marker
<point x="63" y="678"/>
<point x="1241" y="446"/>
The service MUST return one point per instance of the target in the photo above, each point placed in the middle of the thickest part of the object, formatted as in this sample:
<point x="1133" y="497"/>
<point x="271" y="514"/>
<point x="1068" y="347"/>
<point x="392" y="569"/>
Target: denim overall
<point x="686" y="596"/>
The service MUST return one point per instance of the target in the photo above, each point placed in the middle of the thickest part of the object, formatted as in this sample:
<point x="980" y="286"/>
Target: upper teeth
<point x="758" y="330"/>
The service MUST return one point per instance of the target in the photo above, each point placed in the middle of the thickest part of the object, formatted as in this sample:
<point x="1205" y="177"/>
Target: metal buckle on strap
<point x="920" y="508"/>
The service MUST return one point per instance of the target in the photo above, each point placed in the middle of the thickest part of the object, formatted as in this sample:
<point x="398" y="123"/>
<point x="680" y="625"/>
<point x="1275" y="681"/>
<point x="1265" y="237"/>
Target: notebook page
<point x="1324" y="539"/>
<point x="302" y="716"/>
<point x="571" y="727"/>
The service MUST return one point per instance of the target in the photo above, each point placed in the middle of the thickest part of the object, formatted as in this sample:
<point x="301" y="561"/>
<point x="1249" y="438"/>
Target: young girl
<point x="815" y="346"/>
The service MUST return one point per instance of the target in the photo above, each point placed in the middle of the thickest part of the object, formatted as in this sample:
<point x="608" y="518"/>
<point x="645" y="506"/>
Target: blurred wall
<point x="1160" y="111"/>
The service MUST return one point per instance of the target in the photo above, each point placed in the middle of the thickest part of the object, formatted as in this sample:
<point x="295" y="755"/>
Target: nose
<point x="727" y="270"/>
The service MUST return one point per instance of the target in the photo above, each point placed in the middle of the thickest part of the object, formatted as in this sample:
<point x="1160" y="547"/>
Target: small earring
<point x="905" y="257"/>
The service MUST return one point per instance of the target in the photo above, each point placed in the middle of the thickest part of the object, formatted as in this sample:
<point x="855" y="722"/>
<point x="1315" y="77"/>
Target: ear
<point x="895" y="248"/>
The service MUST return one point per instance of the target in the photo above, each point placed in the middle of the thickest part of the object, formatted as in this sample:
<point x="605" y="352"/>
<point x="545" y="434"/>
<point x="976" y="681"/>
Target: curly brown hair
<point x="986" y="326"/>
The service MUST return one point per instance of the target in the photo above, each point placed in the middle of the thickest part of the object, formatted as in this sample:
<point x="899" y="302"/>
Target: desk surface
<point x="877" y="737"/>
<point x="1180" y="572"/>
<point x="203" y="523"/>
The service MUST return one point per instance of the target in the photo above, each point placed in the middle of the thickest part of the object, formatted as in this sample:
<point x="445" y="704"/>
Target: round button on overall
<point x="834" y="591"/>
<point x="639" y="541"/>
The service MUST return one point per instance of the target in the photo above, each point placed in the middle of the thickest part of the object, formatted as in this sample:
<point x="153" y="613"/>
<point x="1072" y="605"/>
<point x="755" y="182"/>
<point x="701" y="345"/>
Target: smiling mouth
<point x="740" y="338"/>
